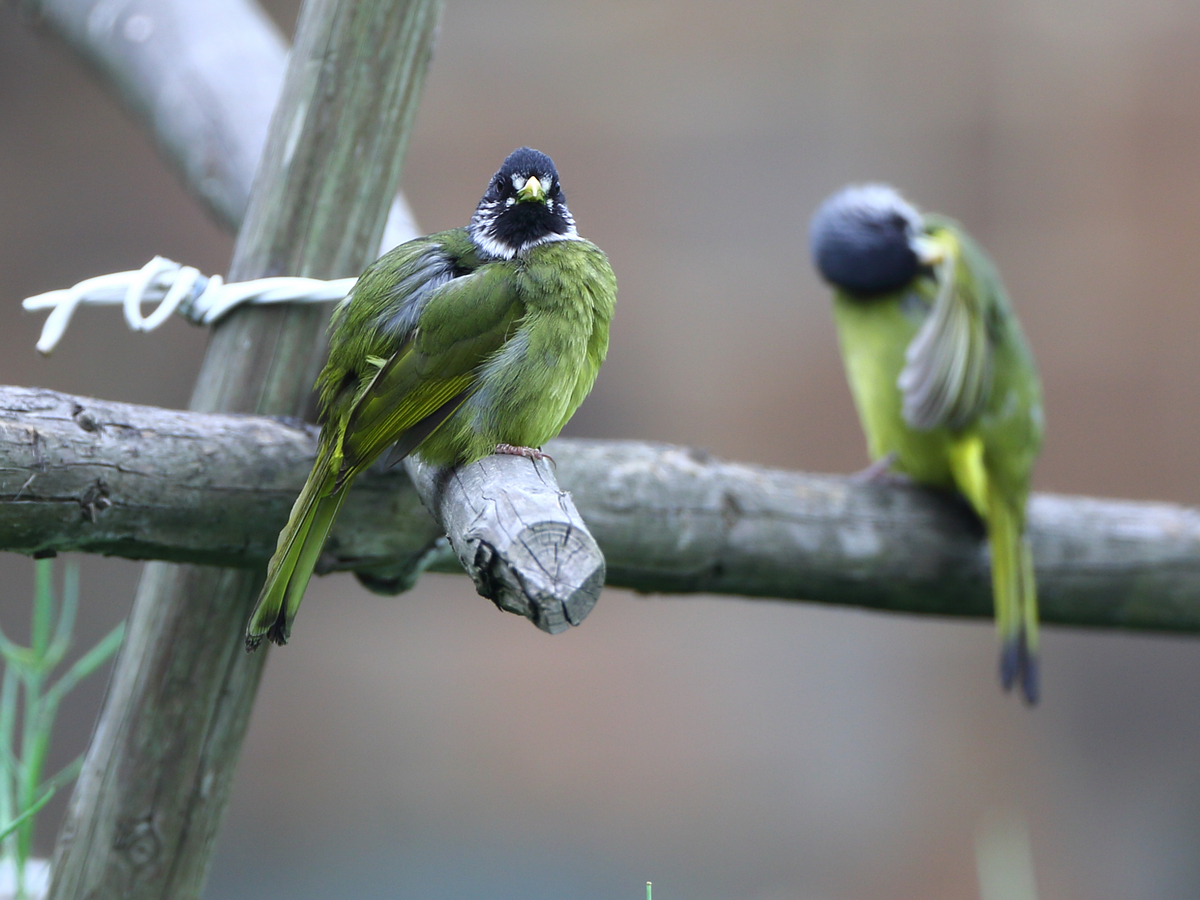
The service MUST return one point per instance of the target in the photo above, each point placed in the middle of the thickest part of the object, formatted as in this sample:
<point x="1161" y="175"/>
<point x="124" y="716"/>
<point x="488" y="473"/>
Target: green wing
<point x="463" y="322"/>
<point x="948" y="365"/>
<point x="403" y="355"/>
<point x="382" y="311"/>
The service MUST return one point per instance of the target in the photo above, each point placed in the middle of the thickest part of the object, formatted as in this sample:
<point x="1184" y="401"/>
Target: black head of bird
<point x="867" y="239"/>
<point x="523" y="207"/>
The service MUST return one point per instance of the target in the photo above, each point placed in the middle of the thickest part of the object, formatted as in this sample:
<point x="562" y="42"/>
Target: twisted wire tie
<point x="177" y="289"/>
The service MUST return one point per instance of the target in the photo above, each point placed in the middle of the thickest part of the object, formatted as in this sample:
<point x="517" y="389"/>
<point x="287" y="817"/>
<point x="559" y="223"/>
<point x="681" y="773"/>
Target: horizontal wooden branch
<point x="140" y="482"/>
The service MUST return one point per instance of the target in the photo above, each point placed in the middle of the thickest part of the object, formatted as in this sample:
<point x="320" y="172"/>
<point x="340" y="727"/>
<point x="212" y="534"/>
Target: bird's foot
<point x="880" y="472"/>
<point x="531" y="453"/>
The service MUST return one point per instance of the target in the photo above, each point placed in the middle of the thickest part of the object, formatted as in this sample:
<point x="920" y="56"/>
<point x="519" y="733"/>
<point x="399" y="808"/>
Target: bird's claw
<point x="879" y="472"/>
<point x="531" y="453"/>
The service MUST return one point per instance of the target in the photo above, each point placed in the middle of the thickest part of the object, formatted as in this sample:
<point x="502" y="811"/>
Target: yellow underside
<point x="874" y="336"/>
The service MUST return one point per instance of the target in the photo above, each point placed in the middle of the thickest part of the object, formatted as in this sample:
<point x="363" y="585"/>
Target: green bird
<point x="944" y="381"/>
<point x="468" y="342"/>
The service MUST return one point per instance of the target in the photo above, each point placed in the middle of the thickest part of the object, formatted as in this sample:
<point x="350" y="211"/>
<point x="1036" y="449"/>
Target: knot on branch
<point x="95" y="500"/>
<point x="140" y="844"/>
<point x="85" y="419"/>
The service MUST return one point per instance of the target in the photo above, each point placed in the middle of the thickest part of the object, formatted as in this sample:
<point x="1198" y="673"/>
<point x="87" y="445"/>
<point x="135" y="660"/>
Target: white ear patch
<point x="518" y="181"/>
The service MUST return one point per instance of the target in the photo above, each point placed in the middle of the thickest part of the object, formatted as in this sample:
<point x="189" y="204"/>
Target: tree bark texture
<point x="146" y="809"/>
<point x="94" y="476"/>
<point x="518" y="535"/>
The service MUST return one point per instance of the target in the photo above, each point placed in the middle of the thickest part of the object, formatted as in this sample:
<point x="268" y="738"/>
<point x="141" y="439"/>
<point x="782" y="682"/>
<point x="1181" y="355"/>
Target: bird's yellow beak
<point x="531" y="190"/>
<point x="929" y="251"/>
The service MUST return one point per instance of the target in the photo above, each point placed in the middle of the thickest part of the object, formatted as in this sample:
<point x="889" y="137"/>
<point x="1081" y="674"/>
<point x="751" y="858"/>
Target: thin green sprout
<point x="25" y="697"/>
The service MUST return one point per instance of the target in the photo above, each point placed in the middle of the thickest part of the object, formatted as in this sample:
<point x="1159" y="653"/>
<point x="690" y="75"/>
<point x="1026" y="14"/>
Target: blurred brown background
<point x="432" y="747"/>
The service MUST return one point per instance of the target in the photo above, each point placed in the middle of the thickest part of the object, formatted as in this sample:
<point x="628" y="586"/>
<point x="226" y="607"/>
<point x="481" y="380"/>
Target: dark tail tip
<point x="1010" y="662"/>
<point x="277" y="633"/>
<point x="1019" y="664"/>
<point x="1031" y="681"/>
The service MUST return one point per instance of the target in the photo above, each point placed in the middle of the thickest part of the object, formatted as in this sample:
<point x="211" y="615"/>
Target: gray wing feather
<point x="411" y="294"/>
<point x="948" y="364"/>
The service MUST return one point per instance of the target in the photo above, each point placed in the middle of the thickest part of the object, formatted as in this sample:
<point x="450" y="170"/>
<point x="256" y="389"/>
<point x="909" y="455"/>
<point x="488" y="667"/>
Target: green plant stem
<point x="24" y="689"/>
<point x="11" y="772"/>
<point x="34" y="743"/>
<point x="43" y="608"/>
<point x="26" y="816"/>
<point x="66" y="618"/>
<point x="81" y="669"/>
<point x="66" y="774"/>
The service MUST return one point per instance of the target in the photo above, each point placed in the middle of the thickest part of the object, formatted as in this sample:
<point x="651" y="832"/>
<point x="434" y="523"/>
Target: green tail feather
<point x="1015" y="597"/>
<point x="296" y="554"/>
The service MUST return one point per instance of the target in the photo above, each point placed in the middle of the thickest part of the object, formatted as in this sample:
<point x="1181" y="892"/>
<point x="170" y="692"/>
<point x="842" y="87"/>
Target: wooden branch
<point x="202" y="77"/>
<point x="142" y="482"/>
<point x="146" y="483"/>
<point x="145" y="812"/>
<point x="518" y="535"/>
<point x="670" y="519"/>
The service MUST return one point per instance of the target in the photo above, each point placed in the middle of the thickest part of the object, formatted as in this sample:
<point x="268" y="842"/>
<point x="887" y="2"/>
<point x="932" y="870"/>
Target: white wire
<point x="175" y="288"/>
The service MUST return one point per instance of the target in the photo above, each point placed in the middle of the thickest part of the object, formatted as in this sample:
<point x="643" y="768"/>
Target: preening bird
<point x="468" y="342"/>
<point x="944" y="381"/>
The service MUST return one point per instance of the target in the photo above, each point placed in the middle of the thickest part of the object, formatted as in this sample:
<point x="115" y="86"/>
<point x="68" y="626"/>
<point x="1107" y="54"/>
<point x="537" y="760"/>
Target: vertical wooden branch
<point x="145" y="812"/>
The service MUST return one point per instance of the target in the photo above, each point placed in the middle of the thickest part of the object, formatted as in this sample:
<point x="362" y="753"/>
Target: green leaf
<point x="28" y="814"/>
<point x="9" y="763"/>
<point x="66" y="618"/>
<point x="20" y="658"/>
<point x="85" y="665"/>
<point x="43" y="606"/>
<point x="65" y="775"/>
